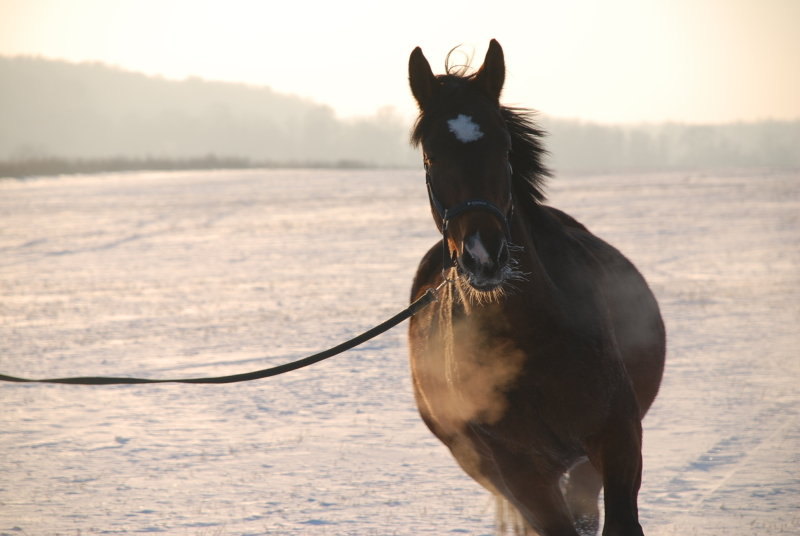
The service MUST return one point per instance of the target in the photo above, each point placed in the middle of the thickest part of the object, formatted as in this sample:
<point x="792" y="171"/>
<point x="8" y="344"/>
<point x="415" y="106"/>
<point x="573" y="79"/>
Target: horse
<point x="546" y="346"/>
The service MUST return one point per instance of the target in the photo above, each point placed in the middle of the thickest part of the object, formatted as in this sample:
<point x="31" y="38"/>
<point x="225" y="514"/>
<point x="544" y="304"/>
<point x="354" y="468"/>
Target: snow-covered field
<point x="206" y="273"/>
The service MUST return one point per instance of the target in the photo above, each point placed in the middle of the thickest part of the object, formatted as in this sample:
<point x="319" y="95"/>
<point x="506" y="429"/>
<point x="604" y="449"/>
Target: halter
<point x="447" y="214"/>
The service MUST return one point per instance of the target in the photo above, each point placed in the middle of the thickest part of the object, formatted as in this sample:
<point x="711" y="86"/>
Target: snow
<point x="465" y="129"/>
<point x="205" y="273"/>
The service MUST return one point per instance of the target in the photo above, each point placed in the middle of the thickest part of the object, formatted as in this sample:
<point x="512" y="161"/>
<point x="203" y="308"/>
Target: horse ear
<point x="492" y="74"/>
<point x="420" y="77"/>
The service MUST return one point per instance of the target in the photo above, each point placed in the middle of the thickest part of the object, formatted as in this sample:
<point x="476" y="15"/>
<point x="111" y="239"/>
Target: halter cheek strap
<point x="447" y="214"/>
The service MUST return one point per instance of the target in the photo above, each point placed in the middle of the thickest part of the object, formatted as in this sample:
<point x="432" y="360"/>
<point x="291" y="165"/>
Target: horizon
<point x="625" y="63"/>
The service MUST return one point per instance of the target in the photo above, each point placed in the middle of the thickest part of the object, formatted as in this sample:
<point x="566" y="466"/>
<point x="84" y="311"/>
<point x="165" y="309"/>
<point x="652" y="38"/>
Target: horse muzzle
<point x="484" y="263"/>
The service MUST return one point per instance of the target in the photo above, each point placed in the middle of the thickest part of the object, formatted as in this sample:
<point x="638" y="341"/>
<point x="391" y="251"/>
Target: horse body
<point x="542" y="358"/>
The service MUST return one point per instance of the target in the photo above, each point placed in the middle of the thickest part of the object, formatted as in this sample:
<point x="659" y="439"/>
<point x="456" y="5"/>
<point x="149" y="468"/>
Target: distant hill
<point x="56" y="115"/>
<point x="58" y="109"/>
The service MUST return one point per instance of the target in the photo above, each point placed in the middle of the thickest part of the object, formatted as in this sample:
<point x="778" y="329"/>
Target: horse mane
<point x="527" y="150"/>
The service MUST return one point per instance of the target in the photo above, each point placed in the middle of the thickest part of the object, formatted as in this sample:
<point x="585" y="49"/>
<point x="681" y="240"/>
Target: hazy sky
<point x="612" y="60"/>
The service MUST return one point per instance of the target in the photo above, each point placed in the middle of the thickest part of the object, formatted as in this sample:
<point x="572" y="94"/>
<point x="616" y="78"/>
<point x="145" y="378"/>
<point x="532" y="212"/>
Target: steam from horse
<point x="547" y="346"/>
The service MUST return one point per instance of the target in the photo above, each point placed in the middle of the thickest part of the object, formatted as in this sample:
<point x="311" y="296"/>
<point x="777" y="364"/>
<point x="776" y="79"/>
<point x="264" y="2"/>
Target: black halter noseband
<point x="447" y="214"/>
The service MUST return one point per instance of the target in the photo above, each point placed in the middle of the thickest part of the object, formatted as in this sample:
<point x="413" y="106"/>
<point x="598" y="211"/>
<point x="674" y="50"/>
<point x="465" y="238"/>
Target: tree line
<point x="61" y="117"/>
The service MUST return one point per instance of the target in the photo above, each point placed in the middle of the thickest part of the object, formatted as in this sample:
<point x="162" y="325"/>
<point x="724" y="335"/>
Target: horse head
<point x="466" y="145"/>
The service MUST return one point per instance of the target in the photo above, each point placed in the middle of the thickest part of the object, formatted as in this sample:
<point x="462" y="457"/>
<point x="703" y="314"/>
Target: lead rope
<point x="430" y="296"/>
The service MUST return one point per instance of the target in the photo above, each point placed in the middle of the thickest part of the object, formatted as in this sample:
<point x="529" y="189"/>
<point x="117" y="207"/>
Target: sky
<point x="614" y="61"/>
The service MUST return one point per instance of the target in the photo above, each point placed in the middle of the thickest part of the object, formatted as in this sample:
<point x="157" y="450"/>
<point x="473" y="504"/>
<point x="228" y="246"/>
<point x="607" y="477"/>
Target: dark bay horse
<point x="543" y="354"/>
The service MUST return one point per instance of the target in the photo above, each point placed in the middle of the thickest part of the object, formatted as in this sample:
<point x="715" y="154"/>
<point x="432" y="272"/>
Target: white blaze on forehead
<point x="465" y="129"/>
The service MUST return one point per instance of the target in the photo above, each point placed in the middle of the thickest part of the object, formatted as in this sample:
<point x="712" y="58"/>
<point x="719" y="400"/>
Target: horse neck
<point x="557" y="263"/>
<point x="532" y="229"/>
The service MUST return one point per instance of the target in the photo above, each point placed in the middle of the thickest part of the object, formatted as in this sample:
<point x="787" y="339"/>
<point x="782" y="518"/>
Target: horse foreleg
<point x="539" y="500"/>
<point x="616" y="453"/>
<point x="583" y="488"/>
<point x="529" y="484"/>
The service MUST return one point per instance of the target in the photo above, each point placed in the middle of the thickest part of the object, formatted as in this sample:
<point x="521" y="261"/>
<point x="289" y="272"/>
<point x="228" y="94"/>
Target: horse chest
<point x="463" y="371"/>
<point x="483" y="369"/>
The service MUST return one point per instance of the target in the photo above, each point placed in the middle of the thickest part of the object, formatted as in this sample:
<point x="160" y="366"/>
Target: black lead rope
<point x="422" y="302"/>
